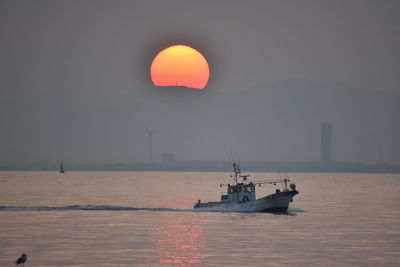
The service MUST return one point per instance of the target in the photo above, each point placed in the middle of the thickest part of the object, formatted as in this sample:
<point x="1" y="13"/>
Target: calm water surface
<point x="90" y="219"/>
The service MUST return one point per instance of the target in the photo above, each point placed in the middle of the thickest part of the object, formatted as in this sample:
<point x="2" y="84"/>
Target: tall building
<point x="326" y="142"/>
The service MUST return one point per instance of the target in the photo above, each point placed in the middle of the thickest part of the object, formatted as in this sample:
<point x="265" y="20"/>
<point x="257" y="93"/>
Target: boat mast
<point x="236" y="170"/>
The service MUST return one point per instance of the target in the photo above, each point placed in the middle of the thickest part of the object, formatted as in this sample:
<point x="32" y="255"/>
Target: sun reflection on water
<point x="179" y="240"/>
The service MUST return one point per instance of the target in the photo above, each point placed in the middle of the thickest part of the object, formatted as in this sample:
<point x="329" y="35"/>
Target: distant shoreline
<point x="219" y="166"/>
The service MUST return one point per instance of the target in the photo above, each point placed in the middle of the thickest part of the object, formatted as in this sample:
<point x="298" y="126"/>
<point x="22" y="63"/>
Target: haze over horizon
<point x="75" y="85"/>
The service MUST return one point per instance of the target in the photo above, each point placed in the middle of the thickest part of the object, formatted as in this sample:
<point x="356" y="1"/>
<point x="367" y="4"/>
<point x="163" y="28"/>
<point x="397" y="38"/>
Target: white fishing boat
<point x="241" y="196"/>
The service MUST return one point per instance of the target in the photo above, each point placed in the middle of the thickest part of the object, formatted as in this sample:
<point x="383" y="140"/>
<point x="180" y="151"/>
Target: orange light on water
<point x="180" y="65"/>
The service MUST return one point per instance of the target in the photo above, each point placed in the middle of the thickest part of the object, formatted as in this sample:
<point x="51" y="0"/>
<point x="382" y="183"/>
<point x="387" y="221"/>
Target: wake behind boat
<point x="242" y="196"/>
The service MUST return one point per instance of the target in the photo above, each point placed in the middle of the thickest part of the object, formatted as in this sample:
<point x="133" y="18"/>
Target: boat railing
<point x="274" y="182"/>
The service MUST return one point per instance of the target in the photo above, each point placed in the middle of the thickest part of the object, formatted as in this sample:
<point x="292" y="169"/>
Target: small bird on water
<point x="22" y="260"/>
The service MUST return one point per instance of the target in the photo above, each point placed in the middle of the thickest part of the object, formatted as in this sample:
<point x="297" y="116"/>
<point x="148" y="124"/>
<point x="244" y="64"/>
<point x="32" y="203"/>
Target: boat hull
<point x="278" y="202"/>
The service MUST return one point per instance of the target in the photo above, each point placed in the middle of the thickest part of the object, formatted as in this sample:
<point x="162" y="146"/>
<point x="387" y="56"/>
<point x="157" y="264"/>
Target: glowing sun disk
<point x="180" y="65"/>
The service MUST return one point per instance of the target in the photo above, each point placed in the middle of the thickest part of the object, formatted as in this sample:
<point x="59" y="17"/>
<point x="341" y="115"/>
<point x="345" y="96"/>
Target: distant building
<point x="326" y="142"/>
<point x="167" y="158"/>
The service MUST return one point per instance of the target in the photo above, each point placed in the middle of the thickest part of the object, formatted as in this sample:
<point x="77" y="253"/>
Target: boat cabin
<point x="240" y="192"/>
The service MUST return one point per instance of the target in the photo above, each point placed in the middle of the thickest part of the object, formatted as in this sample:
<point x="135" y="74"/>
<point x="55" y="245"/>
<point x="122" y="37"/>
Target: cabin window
<point x="249" y="189"/>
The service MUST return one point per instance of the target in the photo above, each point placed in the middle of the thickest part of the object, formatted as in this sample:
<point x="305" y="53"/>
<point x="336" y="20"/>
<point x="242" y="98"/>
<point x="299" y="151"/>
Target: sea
<point x="105" y="218"/>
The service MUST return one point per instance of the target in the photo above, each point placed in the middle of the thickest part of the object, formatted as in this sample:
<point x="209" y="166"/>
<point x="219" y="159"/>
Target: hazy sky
<point x="75" y="85"/>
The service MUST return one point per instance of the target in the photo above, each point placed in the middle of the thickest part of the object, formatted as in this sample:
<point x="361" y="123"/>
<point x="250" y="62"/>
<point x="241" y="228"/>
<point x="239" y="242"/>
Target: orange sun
<point x="180" y="65"/>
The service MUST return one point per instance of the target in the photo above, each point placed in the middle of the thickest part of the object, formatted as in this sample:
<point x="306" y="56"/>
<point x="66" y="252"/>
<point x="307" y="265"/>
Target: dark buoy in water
<point x="22" y="260"/>
<point x="62" y="167"/>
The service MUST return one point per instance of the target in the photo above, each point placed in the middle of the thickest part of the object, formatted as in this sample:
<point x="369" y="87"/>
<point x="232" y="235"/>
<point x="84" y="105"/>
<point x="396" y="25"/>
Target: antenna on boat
<point x="236" y="170"/>
<point x="286" y="180"/>
<point x="230" y="161"/>
<point x="230" y="168"/>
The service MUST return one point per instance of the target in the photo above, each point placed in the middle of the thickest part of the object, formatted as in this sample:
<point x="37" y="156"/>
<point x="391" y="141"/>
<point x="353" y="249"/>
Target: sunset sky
<point x="75" y="81"/>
